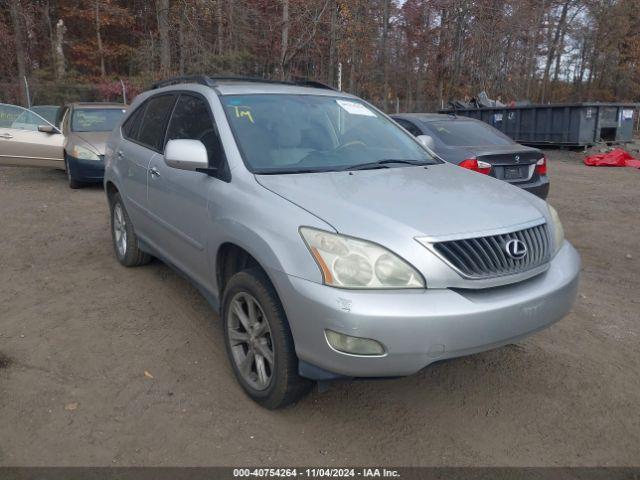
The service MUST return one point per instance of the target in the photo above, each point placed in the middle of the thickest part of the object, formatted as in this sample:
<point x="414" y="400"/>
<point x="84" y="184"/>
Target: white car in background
<point x="28" y="140"/>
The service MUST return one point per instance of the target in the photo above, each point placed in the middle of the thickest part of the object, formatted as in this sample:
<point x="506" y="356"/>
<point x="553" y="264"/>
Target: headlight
<point x="352" y="263"/>
<point x="558" y="230"/>
<point x="83" y="153"/>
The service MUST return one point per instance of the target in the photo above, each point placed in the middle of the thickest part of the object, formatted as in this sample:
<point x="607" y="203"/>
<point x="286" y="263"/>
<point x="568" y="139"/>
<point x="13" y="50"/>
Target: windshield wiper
<point x="292" y="170"/>
<point x="384" y="164"/>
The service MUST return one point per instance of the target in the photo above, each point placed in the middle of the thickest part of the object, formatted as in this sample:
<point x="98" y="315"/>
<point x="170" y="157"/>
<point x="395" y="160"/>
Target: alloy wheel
<point x="250" y="340"/>
<point x="120" y="230"/>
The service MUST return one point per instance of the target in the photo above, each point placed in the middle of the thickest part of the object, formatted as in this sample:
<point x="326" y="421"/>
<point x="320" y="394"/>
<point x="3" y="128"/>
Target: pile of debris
<point x="482" y="100"/>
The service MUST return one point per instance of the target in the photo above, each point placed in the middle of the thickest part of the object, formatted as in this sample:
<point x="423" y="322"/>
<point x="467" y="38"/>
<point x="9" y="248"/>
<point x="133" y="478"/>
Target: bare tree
<point x="418" y="54"/>
<point x="553" y="46"/>
<point x="384" y="52"/>
<point x="15" y="10"/>
<point x="284" y="42"/>
<point x="308" y="17"/>
<point x="59" y="63"/>
<point x="162" y="13"/>
<point x="103" y="71"/>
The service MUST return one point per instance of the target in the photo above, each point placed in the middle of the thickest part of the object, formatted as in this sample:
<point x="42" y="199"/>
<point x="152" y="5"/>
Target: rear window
<point x="465" y="133"/>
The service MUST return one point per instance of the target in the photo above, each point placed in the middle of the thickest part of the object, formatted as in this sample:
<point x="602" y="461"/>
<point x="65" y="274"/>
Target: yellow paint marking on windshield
<point x="242" y="111"/>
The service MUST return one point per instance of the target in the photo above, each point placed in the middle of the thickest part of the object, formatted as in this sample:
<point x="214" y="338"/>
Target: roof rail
<point x="239" y="78"/>
<point x="299" y="81"/>
<point x="305" y="82"/>
<point x="201" y="79"/>
<point x="212" y="81"/>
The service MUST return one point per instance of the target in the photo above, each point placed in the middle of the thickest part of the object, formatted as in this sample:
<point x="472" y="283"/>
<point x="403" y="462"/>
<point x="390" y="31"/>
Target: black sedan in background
<point x="478" y="146"/>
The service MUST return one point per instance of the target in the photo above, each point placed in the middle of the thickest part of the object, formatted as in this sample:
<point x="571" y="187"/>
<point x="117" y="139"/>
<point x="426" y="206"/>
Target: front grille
<point x="486" y="257"/>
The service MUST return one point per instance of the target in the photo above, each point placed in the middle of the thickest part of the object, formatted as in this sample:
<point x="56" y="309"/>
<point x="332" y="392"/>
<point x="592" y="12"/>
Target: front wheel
<point x="259" y="342"/>
<point x="125" y="241"/>
<point x="73" y="183"/>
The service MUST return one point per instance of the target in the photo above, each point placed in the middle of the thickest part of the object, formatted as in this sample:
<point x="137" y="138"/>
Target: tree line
<point x="409" y="55"/>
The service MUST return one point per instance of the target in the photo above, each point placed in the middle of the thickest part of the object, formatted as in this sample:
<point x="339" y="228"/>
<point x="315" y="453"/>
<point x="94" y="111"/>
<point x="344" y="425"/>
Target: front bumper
<point x="86" y="170"/>
<point x="419" y="327"/>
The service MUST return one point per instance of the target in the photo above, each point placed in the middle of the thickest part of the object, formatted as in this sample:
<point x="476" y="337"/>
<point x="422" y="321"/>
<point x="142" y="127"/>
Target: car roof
<point x="241" y="88"/>
<point x="246" y="85"/>
<point x="433" y="117"/>
<point x="248" y="88"/>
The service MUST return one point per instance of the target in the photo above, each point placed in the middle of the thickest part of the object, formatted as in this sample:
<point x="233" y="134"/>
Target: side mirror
<point x="426" y="140"/>
<point x="187" y="155"/>
<point x="47" y="129"/>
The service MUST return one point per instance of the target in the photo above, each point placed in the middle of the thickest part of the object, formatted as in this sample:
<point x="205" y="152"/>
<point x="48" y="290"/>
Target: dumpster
<point x="571" y="124"/>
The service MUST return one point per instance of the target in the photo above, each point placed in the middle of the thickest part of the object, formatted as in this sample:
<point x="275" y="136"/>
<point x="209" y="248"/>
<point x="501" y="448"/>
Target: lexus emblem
<point x="516" y="249"/>
<point x="517" y="158"/>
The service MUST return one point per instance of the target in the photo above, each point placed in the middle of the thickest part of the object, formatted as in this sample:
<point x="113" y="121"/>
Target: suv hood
<point x="440" y="200"/>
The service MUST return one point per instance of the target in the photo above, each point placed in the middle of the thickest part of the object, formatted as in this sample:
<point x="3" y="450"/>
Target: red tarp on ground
<point x="615" y="158"/>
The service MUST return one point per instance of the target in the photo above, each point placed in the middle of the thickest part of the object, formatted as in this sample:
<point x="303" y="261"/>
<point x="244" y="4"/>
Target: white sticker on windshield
<point x="355" y="108"/>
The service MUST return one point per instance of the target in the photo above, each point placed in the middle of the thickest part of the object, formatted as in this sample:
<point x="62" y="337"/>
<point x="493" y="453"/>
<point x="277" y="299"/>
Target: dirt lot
<point x="80" y="331"/>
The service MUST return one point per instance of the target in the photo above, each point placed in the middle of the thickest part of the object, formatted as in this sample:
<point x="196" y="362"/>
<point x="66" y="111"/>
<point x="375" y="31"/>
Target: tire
<point x="73" y="183"/>
<point x="269" y="333"/>
<point x="123" y="236"/>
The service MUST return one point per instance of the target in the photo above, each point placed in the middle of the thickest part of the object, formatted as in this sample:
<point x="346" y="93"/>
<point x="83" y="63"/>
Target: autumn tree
<point x="400" y="54"/>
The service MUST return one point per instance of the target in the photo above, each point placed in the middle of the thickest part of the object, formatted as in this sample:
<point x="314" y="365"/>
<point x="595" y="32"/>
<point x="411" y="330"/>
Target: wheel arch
<point x="110" y="189"/>
<point x="232" y="258"/>
<point x="275" y="249"/>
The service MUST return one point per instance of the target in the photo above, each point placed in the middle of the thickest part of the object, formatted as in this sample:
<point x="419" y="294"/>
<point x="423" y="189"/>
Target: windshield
<point x="95" y="119"/>
<point x="463" y="133"/>
<point x="279" y="133"/>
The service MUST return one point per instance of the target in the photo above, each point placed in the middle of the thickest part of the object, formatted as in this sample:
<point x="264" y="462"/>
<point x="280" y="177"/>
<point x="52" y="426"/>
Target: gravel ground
<point x="103" y="365"/>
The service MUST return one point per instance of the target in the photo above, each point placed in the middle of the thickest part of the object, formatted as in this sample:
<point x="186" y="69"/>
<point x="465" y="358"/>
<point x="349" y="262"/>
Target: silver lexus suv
<point x="332" y="243"/>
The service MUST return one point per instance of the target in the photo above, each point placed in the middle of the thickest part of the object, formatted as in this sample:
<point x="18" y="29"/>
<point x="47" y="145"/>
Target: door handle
<point x="154" y="172"/>
<point x="6" y="135"/>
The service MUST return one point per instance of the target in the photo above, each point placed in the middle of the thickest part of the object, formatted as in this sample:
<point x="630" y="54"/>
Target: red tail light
<point x="476" y="165"/>
<point x="541" y="166"/>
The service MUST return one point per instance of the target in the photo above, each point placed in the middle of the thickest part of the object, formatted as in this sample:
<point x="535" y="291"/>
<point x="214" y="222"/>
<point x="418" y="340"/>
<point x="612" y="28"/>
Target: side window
<point x="13" y="116"/>
<point x="132" y="124"/>
<point x="413" y="130"/>
<point x="151" y="132"/>
<point x="191" y="120"/>
<point x="8" y="114"/>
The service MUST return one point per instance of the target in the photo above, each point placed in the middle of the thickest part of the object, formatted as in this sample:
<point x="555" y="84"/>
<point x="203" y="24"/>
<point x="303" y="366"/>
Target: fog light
<point x="353" y="345"/>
